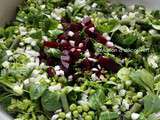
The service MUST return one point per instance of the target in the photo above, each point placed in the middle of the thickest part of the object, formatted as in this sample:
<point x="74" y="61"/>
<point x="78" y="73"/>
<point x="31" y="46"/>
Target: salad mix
<point x="81" y="60"/>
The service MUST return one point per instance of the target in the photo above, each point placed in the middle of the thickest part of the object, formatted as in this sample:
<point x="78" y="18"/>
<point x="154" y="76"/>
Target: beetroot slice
<point x="51" y="44"/>
<point x="109" y="64"/>
<point x="51" y="72"/>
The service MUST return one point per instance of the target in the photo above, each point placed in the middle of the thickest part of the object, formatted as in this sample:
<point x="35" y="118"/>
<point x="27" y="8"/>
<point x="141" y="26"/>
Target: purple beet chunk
<point x="75" y="27"/>
<point x="51" y="72"/>
<point x="108" y="64"/>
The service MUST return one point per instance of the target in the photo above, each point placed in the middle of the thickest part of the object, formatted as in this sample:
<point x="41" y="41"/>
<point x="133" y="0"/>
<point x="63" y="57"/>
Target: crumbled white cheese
<point x="45" y="38"/>
<point x="80" y="45"/>
<point x="116" y="108"/>
<point x="55" y="87"/>
<point x="80" y="3"/>
<point x="107" y="36"/>
<point x="21" y="44"/>
<point x="18" y="88"/>
<point x="55" y="117"/>
<point x="72" y="43"/>
<point x="92" y="59"/>
<point x="153" y="61"/>
<point x="125" y="104"/>
<point x="92" y="29"/>
<point x="60" y="73"/>
<point x="70" y="33"/>
<point x="5" y="64"/>
<point x="57" y="68"/>
<point x="122" y="92"/>
<point x="109" y="44"/>
<point x="22" y="30"/>
<point x="70" y="78"/>
<point x="69" y="115"/>
<point x="26" y="82"/>
<point x="94" y="5"/>
<point x="94" y="77"/>
<point x="9" y="52"/>
<point x="33" y="43"/>
<point x="60" y="26"/>
<point x="28" y="40"/>
<point x="57" y="12"/>
<point x="135" y="116"/>
<point x="94" y="69"/>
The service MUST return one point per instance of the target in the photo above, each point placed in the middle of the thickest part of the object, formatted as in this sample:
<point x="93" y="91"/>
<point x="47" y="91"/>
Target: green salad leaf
<point x="36" y="90"/>
<point x="51" y="101"/>
<point x="108" y="115"/>
<point x="143" y="78"/>
<point x="151" y="104"/>
<point x="97" y="99"/>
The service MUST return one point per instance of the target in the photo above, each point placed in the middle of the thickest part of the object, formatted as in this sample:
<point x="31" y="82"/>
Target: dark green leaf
<point x="37" y="35"/>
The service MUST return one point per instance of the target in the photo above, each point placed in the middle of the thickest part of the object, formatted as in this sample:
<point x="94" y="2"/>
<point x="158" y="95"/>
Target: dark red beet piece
<point x="86" y="64"/>
<point x="75" y="27"/>
<point x="109" y="64"/>
<point x="100" y="38"/>
<point x="51" y="44"/>
<point x="51" y="72"/>
<point x="65" y="46"/>
<point x="50" y="61"/>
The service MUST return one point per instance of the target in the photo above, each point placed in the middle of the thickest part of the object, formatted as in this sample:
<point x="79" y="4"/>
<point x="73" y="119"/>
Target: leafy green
<point x="97" y="99"/>
<point x="125" y="40"/>
<point x="108" y="25"/>
<point x="36" y="90"/>
<point x="64" y="102"/>
<point x="19" y="71"/>
<point x="51" y="101"/>
<point x="143" y="78"/>
<point x="37" y="34"/>
<point x="54" y="52"/>
<point x="108" y="115"/>
<point x="55" y="32"/>
<point x="151" y="104"/>
<point x="154" y="116"/>
<point x="123" y="73"/>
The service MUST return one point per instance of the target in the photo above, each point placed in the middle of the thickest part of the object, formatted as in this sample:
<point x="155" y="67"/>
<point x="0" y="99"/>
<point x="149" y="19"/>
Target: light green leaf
<point x="97" y="100"/>
<point x="151" y="104"/>
<point x="157" y="27"/>
<point x="143" y="78"/>
<point x="36" y="90"/>
<point x="54" y="52"/>
<point x="51" y="101"/>
<point x="55" y="32"/>
<point x="108" y="115"/>
<point x="123" y="73"/>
